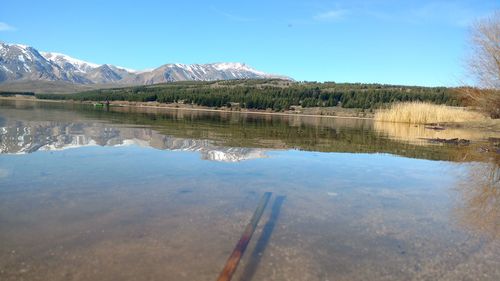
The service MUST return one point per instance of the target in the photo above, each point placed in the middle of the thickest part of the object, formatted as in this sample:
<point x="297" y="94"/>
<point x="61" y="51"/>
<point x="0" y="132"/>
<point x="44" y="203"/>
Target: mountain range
<point x="21" y="63"/>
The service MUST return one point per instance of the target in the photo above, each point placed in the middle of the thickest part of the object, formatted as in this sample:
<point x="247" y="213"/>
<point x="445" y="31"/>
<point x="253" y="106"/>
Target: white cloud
<point x="331" y="15"/>
<point x="5" y="27"/>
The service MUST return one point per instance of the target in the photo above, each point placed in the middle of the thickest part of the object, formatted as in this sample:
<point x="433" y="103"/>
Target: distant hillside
<point x="53" y="87"/>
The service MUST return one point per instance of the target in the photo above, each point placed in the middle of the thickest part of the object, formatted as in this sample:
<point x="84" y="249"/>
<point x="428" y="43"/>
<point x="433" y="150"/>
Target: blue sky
<point x="383" y="41"/>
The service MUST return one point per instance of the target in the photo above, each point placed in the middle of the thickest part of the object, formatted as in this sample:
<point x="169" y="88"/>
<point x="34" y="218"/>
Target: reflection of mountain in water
<point x="26" y="137"/>
<point x="223" y="136"/>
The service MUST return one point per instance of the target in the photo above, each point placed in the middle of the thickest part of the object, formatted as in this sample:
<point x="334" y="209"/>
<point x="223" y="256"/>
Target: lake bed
<point x="90" y="194"/>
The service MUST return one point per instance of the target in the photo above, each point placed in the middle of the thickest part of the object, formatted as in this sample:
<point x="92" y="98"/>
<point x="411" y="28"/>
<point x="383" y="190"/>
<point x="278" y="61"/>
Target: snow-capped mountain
<point x="198" y="72"/>
<point x="24" y="63"/>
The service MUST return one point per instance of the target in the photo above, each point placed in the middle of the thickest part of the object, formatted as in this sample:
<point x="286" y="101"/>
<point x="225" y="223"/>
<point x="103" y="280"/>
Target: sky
<point x="379" y="41"/>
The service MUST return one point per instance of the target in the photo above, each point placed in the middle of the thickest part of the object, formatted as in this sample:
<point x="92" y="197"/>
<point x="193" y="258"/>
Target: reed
<point x="425" y="113"/>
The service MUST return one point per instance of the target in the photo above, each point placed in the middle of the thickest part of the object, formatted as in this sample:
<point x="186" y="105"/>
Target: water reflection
<point x="420" y="134"/>
<point x="227" y="137"/>
<point x="479" y="186"/>
<point x="132" y="199"/>
<point x="479" y="205"/>
<point x="17" y="137"/>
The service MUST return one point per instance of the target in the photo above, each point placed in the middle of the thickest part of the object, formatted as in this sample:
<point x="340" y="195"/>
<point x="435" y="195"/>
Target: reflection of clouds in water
<point x="4" y="173"/>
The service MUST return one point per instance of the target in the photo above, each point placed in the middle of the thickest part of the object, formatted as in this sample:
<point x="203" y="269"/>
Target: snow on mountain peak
<point x="61" y="59"/>
<point x="24" y="62"/>
<point x="238" y="66"/>
<point x="127" y="69"/>
<point x="228" y="65"/>
<point x="20" y="46"/>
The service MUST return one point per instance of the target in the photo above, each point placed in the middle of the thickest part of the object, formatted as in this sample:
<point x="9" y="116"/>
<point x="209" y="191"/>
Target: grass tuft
<point x="425" y="113"/>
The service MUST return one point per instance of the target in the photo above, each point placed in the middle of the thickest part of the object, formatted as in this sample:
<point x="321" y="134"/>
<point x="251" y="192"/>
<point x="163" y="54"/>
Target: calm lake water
<point x="90" y="194"/>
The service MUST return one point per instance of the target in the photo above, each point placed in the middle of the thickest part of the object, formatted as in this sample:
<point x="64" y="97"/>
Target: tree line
<point x="10" y="94"/>
<point x="277" y="95"/>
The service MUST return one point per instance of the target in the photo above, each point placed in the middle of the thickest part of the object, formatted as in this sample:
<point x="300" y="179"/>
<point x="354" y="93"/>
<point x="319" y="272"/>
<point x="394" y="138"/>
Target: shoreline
<point x="341" y="113"/>
<point x="153" y="105"/>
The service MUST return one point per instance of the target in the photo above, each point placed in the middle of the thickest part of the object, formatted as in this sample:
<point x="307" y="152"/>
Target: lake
<point x="143" y="194"/>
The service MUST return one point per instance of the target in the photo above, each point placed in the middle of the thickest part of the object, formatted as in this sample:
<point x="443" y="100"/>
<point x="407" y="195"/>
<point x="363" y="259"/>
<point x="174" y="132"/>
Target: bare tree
<point x="484" y="64"/>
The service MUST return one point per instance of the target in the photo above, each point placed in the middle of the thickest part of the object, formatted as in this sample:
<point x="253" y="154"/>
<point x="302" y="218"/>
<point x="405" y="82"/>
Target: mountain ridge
<point x="24" y="63"/>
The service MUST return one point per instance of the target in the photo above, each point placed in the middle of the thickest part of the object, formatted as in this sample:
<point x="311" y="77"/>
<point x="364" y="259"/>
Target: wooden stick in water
<point x="238" y="251"/>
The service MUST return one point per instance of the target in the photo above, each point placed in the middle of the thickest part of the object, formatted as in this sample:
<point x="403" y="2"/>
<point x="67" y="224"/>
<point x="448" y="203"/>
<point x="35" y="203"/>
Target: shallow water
<point x="90" y="194"/>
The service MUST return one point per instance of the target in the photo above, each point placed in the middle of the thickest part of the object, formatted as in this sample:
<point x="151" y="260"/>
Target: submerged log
<point x="455" y="141"/>
<point x="437" y="128"/>
<point x="238" y="251"/>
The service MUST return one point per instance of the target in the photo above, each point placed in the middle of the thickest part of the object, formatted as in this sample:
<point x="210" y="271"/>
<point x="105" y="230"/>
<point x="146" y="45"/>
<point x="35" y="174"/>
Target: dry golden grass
<point x="425" y="113"/>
